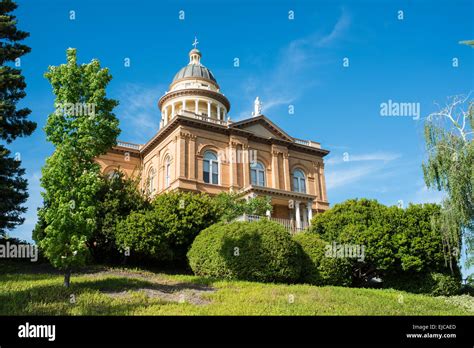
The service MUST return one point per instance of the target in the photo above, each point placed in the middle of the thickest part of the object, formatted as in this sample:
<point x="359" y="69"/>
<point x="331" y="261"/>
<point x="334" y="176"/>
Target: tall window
<point x="211" y="168"/>
<point x="113" y="174"/>
<point x="299" y="182"/>
<point x="151" y="180"/>
<point x="257" y="174"/>
<point x="167" y="172"/>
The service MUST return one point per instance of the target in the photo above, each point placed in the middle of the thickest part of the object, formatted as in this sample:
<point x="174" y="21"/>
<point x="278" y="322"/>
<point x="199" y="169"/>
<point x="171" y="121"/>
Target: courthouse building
<point x="199" y="148"/>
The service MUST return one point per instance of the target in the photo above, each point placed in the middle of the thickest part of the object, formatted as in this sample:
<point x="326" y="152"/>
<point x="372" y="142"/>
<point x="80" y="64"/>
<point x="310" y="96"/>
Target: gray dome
<point x="194" y="70"/>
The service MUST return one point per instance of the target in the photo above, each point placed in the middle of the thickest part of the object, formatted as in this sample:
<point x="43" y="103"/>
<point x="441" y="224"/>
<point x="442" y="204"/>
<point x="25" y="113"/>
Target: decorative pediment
<point x="262" y="127"/>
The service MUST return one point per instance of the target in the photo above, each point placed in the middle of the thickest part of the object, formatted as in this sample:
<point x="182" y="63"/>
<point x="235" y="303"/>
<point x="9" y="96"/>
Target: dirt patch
<point x="157" y="287"/>
<point x="186" y="296"/>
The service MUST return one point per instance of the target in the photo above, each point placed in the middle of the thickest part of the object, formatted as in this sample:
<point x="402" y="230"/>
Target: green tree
<point x="13" y="121"/>
<point x="118" y="197"/>
<point x="82" y="127"/>
<point x="450" y="168"/>
<point x="231" y="205"/>
<point x="12" y="190"/>
<point x="396" y="241"/>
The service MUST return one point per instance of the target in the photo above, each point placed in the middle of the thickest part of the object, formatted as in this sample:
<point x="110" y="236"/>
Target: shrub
<point x="180" y="216"/>
<point x="255" y="251"/>
<point x="140" y="232"/>
<point x="445" y="285"/>
<point x="397" y="241"/>
<point x="118" y="197"/>
<point x="433" y="283"/>
<point x="319" y="269"/>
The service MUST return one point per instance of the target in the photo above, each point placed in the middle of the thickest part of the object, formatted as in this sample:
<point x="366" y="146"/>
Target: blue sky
<point x="285" y="62"/>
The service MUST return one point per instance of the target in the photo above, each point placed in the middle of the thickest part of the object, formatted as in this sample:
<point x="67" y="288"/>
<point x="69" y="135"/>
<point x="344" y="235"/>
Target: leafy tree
<point x="317" y="267"/>
<point x="396" y="241"/>
<point x="450" y="167"/>
<point x="231" y="206"/>
<point x="13" y="121"/>
<point x="172" y="222"/>
<point x="71" y="177"/>
<point x="117" y="198"/>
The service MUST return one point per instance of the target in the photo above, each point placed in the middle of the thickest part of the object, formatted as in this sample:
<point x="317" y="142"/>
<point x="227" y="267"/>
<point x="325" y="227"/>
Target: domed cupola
<point x="194" y="92"/>
<point x="194" y="69"/>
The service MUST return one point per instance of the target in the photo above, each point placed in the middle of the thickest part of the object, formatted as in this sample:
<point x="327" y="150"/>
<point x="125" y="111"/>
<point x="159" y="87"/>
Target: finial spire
<point x="195" y="43"/>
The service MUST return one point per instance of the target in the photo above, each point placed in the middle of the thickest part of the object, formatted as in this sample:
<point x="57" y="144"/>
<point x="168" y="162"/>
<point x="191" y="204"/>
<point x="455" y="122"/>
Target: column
<point x="297" y="213"/>
<point x="218" y="112"/>
<point x="286" y="172"/>
<point x="310" y="211"/>
<point x="196" y="106"/>
<point x="192" y="157"/>
<point x="183" y="107"/>
<point x="275" y="169"/>
<point x="209" y="109"/>
<point x="305" y="216"/>
<point x="166" y="116"/>
<point x="268" y="214"/>
<point x="172" y="110"/>
<point x="180" y="156"/>
<point x="323" y="183"/>
<point x="245" y="164"/>
<point x="317" y="182"/>
<point x="233" y="164"/>
<point x="224" y="114"/>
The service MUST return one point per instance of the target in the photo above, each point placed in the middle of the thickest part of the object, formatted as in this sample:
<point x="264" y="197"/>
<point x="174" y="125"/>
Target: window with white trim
<point x="210" y="171"/>
<point x="257" y="174"/>
<point x="299" y="181"/>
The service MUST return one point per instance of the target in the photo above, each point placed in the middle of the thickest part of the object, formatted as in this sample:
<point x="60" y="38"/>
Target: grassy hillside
<point x="114" y="291"/>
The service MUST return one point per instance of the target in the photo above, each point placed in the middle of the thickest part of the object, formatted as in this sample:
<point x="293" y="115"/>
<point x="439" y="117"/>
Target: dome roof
<point x="194" y="70"/>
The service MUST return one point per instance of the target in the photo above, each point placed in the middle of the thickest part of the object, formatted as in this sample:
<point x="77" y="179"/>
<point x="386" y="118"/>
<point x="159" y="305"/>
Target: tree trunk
<point x="67" y="277"/>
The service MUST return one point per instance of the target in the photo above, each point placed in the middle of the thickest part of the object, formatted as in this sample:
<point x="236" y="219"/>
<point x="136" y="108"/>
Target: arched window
<point x="151" y="180"/>
<point x="299" y="181"/>
<point x="167" y="171"/>
<point x="257" y="174"/>
<point x="211" y="168"/>
<point x="113" y="174"/>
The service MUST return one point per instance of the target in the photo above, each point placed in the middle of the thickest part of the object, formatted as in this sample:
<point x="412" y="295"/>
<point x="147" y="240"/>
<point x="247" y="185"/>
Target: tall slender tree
<point x="13" y="121"/>
<point x="449" y="137"/>
<point x="82" y="127"/>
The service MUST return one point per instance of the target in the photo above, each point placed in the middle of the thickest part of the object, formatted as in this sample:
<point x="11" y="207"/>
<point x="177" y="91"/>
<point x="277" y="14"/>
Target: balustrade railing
<point x="289" y="225"/>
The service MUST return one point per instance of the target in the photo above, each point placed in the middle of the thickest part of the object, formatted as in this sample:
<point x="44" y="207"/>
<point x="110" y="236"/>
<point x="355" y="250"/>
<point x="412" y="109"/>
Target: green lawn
<point x="35" y="290"/>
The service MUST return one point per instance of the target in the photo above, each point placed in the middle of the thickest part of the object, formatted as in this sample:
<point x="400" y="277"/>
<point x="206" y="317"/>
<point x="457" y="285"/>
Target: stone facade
<point x="198" y="148"/>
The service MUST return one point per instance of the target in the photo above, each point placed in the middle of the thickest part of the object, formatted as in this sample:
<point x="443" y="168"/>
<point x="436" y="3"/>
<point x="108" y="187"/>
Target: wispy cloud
<point x="346" y="169"/>
<point x="138" y="111"/>
<point x="375" y="156"/>
<point x="289" y="78"/>
<point x="344" y="177"/>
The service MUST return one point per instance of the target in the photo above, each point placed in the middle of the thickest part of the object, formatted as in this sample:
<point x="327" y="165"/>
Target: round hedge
<point x="317" y="268"/>
<point x="257" y="251"/>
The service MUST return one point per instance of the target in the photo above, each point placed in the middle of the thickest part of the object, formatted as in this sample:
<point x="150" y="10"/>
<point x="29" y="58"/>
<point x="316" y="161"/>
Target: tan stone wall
<point x="125" y="161"/>
<point x="185" y="147"/>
